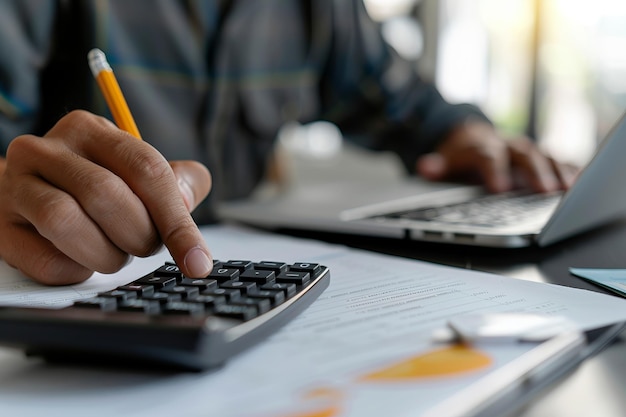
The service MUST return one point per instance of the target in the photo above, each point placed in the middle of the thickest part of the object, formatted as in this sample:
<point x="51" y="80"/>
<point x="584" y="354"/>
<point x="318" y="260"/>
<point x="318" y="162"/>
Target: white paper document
<point x="363" y="348"/>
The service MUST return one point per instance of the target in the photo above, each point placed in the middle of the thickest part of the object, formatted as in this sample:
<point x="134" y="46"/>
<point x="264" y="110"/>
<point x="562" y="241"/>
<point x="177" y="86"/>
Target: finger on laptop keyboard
<point x="536" y="168"/>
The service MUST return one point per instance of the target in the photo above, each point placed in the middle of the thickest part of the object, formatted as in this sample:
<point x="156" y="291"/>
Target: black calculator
<point x="166" y="318"/>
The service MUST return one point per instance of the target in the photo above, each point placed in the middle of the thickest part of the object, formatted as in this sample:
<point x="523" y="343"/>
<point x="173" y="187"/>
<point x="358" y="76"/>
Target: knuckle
<point x="78" y="115"/>
<point x="79" y="118"/>
<point x="75" y="118"/>
<point x="80" y="121"/>
<point x="58" y="220"/>
<point x="21" y="147"/>
<point x="149" y="165"/>
<point x="106" y="192"/>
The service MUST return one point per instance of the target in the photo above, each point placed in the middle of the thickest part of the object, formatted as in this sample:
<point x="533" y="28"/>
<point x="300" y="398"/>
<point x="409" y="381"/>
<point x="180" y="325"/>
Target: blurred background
<point x="552" y="69"/>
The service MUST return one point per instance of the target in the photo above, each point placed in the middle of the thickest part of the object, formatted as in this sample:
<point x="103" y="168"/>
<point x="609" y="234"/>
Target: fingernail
<point x="187" y="193"/>
<point x="197" y="263"/>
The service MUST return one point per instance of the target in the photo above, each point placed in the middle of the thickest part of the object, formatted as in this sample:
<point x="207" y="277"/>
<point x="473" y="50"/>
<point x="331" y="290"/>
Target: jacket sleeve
<point x="25" y="38"/>
<point x="376" y="98"/>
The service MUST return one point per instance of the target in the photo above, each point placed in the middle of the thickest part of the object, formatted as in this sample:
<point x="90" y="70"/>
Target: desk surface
<point x="597" y="387"/>
<point x="75" y="388"/>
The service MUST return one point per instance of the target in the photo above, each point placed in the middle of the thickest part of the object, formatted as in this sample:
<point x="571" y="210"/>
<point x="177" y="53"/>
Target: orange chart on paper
<point x="446" y="362"/>
<point x="327" y="412"/>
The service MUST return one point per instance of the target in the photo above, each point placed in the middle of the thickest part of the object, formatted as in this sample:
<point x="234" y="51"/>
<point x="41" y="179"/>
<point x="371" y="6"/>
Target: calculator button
<point x="224" y="274"/>
<point x="183" y="307"/>
<point x="289" y="290"/>
<point x="259" y="277"/>
<point x="305" y="267"/>
<point x="241" y="312"/>
<point x="201" y="284"/>
<point x="119" y="295"/>
<point x="140" y="306"/>
<point x="238" y="285"/>
<point x="275" y="297"/>
<point x="228" y="294"/>
<point x="140" y="290"/>
<point x="277" y="267"/>
<point x="163" y="298"/>
<point x="209" y="301"/>
<point x="298" y="278"/>
<point x="238" y="264"/>
<point x="185" y="292"/>
<point x="101" y="303"/>
<point x="168" y="270"/>
<point x="262" y="305"/>
<point x="158" y="282"/>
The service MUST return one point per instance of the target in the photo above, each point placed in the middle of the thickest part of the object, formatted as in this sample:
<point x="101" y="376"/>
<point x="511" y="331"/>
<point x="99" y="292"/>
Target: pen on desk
<point x="105" y="78"/>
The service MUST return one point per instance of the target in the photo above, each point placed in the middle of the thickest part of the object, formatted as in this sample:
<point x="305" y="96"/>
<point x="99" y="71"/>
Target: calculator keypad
<point x="239" y="289"/>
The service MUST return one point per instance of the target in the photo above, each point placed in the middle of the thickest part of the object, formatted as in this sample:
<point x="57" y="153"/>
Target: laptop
<point x="416" y="209"/>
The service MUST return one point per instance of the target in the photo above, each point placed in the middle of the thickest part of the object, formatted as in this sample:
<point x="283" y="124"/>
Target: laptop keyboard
<point x="494" y="210"/>
<point x="169" y="319"/>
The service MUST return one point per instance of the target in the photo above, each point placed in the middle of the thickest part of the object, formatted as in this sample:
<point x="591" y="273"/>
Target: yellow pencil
<point x="112" y="93"/>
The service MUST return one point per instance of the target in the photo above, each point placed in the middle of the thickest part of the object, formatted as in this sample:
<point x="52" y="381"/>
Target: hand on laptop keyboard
<point x="475" y="152"/>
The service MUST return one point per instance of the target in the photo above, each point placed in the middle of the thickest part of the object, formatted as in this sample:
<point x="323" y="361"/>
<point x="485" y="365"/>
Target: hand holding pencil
<point x="87" y="198"/>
